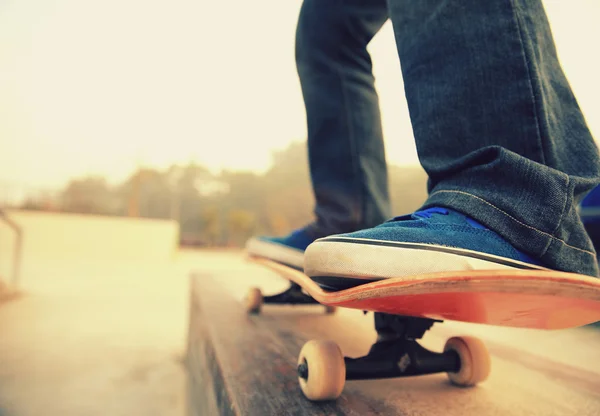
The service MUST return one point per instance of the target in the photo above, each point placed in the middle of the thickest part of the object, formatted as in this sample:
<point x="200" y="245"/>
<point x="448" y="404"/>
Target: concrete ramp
<point x="111" y="342"/>
<point x="246" y="365"/>
<point x="100" y="326"/>
<point x="51" y="236"/>
<point x="59" y="246"/>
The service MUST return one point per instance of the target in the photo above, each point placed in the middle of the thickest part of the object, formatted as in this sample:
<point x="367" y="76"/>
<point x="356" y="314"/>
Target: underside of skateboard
<point x="293" y="295"/>
<point x="323" y="369"/>
<point x="403" y="309"/>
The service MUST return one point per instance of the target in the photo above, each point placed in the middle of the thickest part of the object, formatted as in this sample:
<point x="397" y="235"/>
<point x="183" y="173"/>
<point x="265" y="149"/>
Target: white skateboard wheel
<point x="321" y="370"/>
<point x="475" y="362"/>
<point x="254" y="300"/>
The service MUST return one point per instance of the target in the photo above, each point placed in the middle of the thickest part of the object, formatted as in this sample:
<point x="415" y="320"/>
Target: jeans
<point x="497" y="127"/>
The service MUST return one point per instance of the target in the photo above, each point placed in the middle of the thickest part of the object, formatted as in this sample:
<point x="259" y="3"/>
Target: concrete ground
<point x="89" y="339"/>
<point x="97" y="339"/>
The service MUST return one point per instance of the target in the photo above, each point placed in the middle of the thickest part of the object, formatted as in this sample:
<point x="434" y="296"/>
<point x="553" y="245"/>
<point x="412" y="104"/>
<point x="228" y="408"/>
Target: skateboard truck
<point x="323" y="370"/>
<point x="293" y="295"/>
<point x="396" y="353"/>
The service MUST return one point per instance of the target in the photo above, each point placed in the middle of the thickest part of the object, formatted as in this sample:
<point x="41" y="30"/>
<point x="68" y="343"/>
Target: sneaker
<point x="433" y="240"/>
<point x="288" y="250"/>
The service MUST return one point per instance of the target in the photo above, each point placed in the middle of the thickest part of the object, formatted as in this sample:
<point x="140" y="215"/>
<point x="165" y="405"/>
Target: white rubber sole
<point x="277" y="252"/>
<point x="374" y="260"/>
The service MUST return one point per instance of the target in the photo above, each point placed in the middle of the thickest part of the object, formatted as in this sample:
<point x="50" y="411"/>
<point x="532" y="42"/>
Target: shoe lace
<point x="427" y="213"/>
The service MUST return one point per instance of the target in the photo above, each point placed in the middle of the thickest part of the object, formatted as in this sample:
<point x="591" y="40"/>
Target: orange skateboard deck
<point x="513" y="298"/>
<point x="406" y="307"/>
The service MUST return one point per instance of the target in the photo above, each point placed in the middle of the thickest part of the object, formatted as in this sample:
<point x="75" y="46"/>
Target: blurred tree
<point x="289" y="200"/>
<point x="89" y="195"/>
<point x="146" y="193"/>
<point x="186" y="201"/>
<point x="278" y="224"/>
<point x="225" y="208"/>
<point x="408" y="188"/>
<point x="211" y="224"/>
<point x="33" y="204"/>
<point x="241" y="226"/>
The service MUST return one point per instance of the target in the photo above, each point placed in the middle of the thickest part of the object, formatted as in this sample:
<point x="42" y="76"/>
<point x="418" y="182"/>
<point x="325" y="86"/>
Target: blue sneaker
<point x="428" y="241"/>
<point x="288" y="250"/>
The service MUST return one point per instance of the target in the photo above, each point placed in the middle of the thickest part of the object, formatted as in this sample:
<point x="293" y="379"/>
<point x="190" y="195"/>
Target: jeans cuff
<point x="553" y="251"/>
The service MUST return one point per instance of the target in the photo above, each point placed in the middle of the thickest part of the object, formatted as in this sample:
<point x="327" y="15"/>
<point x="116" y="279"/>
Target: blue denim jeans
<point x="497" y="127"/>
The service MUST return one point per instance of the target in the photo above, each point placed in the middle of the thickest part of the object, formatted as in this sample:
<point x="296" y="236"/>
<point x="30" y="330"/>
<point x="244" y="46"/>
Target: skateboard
<point x="406" y="307"/>
<point x="293" y="295"/>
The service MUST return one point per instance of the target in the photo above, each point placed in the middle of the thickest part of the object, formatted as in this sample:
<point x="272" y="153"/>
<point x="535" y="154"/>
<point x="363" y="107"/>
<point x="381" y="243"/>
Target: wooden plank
<point x="240" y="366"/>
<point x="246" y="365"/>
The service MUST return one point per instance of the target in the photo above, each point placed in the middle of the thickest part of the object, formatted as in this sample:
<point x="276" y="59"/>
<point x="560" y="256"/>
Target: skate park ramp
<point x="99" y="325"/>
<point x="114" y="318"/>
<point x="241" y="364"/>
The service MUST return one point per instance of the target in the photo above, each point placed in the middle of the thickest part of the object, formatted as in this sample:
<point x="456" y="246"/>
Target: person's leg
<point x="501" y="137"/>
<point x="345" y="143"/>
<point x="497" y="126"/>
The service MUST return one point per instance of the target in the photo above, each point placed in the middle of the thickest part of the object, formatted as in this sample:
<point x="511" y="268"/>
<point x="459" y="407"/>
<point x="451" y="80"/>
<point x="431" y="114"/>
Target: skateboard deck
<point x="406" y="307"/>
<point x="514" y="298"/>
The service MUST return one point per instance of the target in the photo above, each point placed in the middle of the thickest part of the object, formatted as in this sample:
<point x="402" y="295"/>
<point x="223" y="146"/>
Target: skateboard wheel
<point x="330" y="309"/>
<point x="321" y="370"/>
<point x="475" y="363"/>
<point x="254" y="300"/>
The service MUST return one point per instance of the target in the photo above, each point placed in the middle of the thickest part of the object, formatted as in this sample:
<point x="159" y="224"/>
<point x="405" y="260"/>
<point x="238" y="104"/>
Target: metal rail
<point x="16" y="271"/>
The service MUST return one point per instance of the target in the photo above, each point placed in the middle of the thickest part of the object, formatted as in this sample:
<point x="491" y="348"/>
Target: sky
<point x="101" y="87"/>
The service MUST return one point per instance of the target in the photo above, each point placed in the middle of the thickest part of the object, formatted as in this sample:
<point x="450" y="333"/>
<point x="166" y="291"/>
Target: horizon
<point x="127" y="84"/>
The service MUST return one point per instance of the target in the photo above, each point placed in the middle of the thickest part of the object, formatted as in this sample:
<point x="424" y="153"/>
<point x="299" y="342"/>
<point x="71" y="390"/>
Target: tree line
<point x="222" y="209"/>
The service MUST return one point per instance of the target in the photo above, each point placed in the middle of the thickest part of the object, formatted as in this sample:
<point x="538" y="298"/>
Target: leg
<point x="497" y="127"/>
<point x="345" y="142"/>
<point x="506" y="147"/>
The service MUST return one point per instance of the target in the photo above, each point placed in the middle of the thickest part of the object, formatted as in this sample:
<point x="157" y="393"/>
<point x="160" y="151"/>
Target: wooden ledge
<point x="240" y="364"/>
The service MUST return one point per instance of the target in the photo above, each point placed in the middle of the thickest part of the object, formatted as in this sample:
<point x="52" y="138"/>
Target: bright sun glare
<point x="98" y="87"/>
